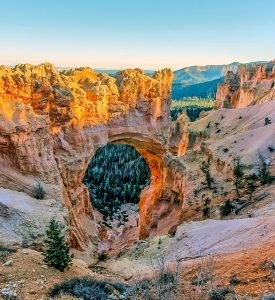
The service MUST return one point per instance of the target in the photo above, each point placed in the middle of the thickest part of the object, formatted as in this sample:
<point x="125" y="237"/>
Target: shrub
<point x="163" y="286"/>
<point x="225" y="150"/>
<point x="207" y="173"/>
<point x="251" y="185"/>
<point x="238" y="172"/>
<point x="271" y="148"/>
<point x="87" y="288"/>
<point x="102" y="256"/>
<point x="38" y="191"/>
<point x="227" y="208"/>
<point x="264" y="173"/>
<point x="234" y="281"/>
<point x="206" y="211"/>
<point x="219" y="294"/>
<point x="267" y="121"/>
<point x="5" y="252"/>
<point x="57" y="251"/>
<point x="201" y="280"/>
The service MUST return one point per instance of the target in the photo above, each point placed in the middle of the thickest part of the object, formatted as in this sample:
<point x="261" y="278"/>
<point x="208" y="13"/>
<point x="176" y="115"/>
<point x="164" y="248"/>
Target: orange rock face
<point x="252" y="84"/>
<point x="51" y="124"/>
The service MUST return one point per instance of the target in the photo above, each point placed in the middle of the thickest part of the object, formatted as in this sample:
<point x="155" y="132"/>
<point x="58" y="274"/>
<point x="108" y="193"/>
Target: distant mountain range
<point x="114" y="71"/>
<point x="198" y="74"/>
<point x="202" y="90"/>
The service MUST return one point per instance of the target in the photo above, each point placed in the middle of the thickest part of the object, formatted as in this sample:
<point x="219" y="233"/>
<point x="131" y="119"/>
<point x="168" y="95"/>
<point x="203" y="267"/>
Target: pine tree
<point x="206" y="169"/>
<point x="251" y="185"/>
<point x="239" y="175"/>
<point x="264" y="173"/>
<point x="57" y="251"/>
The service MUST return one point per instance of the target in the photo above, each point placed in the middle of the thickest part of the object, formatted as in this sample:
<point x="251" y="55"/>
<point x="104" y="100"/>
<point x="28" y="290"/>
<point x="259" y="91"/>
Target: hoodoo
<point x="251" y="84"/>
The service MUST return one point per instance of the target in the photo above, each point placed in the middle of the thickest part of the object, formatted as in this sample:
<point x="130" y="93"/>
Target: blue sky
<point x="148" y="34"/>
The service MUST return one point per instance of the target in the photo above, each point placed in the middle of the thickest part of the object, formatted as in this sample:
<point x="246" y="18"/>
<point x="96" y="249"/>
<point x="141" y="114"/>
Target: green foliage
<point x="267" y="121"/>
<point x="234" y="280"/>
<point x="193" y="106"/>
<point x="38" y="191"/>
<point x="271" y="148"/>
<point x="219" y="293"/>
<point x="206" y="211"/>
<point x="5" y="252"/>
<point x="163" y="285"/>
<point x="251" y="185"/>
<point x="57" y="252"/>
<point x="102" y="256"/>
<point x="238" y="175"/>
<point x="87" y="288"/>
<point x="206" y="169"/>
<point x="227" y="208"/>
<point x="116" y="175"/>
<point x="264" y="173"/>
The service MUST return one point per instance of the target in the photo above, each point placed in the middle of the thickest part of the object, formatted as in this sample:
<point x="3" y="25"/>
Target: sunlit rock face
<point x="252" y="84"/>
<point x="51" y="124"/>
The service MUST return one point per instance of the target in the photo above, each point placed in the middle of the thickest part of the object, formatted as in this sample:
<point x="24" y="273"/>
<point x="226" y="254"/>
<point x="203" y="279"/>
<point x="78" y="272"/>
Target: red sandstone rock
<point x="51" y="124"/>
<point x="252" y="84"/>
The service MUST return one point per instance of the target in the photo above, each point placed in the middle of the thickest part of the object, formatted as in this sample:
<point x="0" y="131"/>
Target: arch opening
<point x="115" y="178"/>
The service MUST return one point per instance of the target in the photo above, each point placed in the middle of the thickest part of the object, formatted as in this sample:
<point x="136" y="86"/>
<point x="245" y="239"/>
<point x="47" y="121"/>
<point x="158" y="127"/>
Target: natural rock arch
<point x="51" y="124"/>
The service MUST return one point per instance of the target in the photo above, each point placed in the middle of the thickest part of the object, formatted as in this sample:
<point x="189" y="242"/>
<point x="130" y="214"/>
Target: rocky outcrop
<point x="51" y="124"/>
<point x="251" y="84"/>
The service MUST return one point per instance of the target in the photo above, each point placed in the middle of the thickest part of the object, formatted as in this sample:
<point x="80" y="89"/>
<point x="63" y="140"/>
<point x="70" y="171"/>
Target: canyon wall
<point x="251" y="84"/>
<point x="51" y="124"/>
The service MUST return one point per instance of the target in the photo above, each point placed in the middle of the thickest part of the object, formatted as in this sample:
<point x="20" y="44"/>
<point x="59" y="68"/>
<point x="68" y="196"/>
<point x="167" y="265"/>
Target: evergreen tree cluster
<point x="193" y="106"/>
<point x="116" y="175"/>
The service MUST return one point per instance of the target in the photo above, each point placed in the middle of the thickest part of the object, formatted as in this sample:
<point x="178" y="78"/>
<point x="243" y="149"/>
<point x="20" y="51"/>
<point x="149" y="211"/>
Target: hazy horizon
<point x="118" y="69"/>
<point x="146" y="34"/>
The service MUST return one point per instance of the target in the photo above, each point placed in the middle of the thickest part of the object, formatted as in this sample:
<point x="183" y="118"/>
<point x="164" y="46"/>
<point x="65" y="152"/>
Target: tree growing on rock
<point x="264" y="173"/>
<point x="56" y="253"/>
<point x="267" y="121"/>
<point x="206" y="169"/>
<point x="238" y="172"/>
<point x="251" y="185"/>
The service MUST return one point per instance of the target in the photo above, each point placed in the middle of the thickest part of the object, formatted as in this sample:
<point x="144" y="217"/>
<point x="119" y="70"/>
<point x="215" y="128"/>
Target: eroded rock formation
<point x="251" y="84"/>
<point x="51" y="124"/>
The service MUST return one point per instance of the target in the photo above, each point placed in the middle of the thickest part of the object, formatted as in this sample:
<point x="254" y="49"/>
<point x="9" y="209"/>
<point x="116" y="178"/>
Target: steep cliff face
<point x="252" y="84"/>
<point x="51" y="124"/>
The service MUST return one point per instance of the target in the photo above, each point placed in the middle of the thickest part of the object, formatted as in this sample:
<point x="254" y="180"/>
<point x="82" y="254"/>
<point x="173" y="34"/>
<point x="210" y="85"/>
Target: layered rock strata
<point x="51" y="124"/>
<point x="251" y="84"/>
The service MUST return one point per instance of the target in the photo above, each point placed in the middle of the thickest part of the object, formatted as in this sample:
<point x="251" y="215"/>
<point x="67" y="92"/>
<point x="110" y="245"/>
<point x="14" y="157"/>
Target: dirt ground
<point x="253" y="272"/>
<point x="250" y="273"/>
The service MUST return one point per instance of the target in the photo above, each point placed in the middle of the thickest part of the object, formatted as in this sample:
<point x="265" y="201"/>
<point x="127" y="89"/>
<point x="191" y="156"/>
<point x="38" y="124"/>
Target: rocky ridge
<point x="52" y="122"/>
<point x="251" y="84"/>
